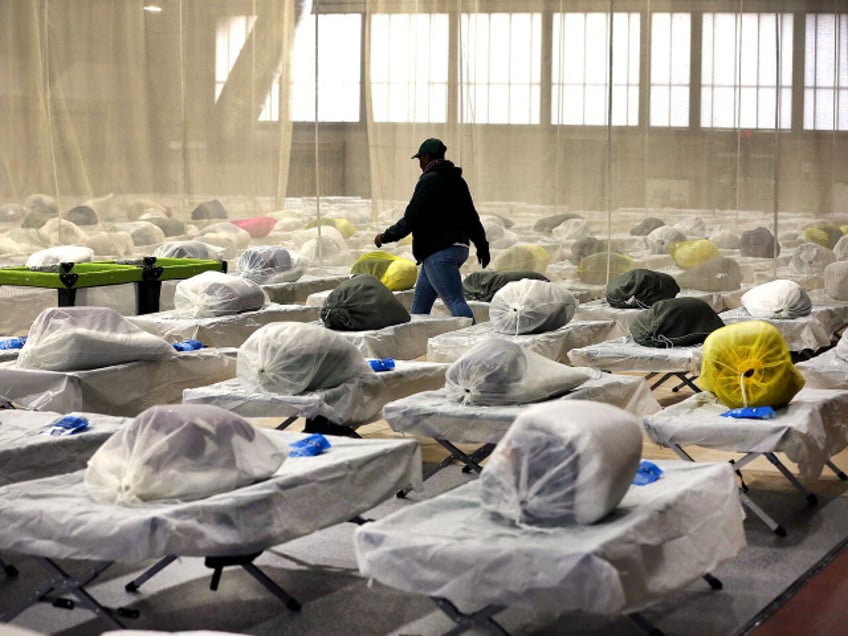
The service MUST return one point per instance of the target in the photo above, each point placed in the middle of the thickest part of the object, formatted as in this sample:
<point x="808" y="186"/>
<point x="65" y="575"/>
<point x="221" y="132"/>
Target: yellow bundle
<point x="826" y="235"/>
<point x="593" y="269"/>
<point x="345" y="227"/>
<point x="689" y="254"/>
<point x="394" y="272"/>
<point x="525" y="258"/>
<point x="748" y="364"/>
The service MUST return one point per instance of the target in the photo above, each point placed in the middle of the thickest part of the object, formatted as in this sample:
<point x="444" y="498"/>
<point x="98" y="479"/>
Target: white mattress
<point x="432" y="414"/>
<point x="121" y="389"/>
<point x="220" y="331"/>
<point x="551" y="344"/>
<point x="825" y="371"/>
<point x="56" y="517"/>
<point x="352" y="403"/>
<point x="660" y="537"/>
<point x="299" y="290"/>
<point x="810" y="430"/>
<point x="27" y="453"/>
<point x="625" y="355"/>
<point x="405" y="341"/>
<point x="808" y="332"/>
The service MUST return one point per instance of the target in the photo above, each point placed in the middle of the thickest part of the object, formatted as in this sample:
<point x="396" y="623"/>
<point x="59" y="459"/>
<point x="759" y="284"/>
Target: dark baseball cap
<point x="431" y="146"/>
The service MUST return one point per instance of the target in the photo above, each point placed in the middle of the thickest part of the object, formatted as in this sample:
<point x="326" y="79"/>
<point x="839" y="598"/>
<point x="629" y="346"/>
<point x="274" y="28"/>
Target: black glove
<point x="378" y="240"/>
<point x="483" y="256"/>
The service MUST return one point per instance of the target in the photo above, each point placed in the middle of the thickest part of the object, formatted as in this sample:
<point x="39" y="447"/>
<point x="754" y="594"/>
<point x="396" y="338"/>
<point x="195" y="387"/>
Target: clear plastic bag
<point x="181" y="452"/>
<point x="52" y="256"/>
<point x="217" y="294"/>
<point x="268" y="265"/>
<point x="531" y="306"/>
<point x="189" y="249"/>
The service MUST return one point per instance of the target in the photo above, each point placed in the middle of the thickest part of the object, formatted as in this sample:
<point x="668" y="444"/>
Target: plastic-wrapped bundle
<point x="692" y="226"/>
<point x="548" y="223"/>
<point x="343" y="226"/>
<point x="565" y="462"/>
<point x="330" y="250"/>
<point x="811" y="258"/>
<point x="840" y="250"/>
<point x="676" y="322"/>
<point x="836" y="280"/>
<point x="777" y="299"/>
<point x="268" y="265"/>
<point x="842" y="347"/>
<point x="12" y="213"/>
<point x="749" y="364"/>
<point x="226" y="235"/>
<point x="291" y="358"/>
<point x="717" y="274"/>
<point x="143" y="232"/>
<point x="689" y="254"/>
<point x="78" y="338"/>
<point x="660" y="240"/>
<point x="63" y="232"/>
<point x="169" y="226"/>
<point x="640" y="288"/>
<point x="217" y="294"/>
<point x="498" y="371"/>
<point x="396" y="273"/>
<point x="212" y="209"/>
<point x="362" y="303"/>
<point x="758" y="243"/>
<point x="646" y="226"/>
<point x="257" y="226"/>
<point x="181" y="452"/>
<point x="42" y="204"/>
<point x="824" y="235"/>
<point x="52" y="256"/>
<point x="82" y="215"/>
<point x="484" y="285"/>
<point x="110" y="243"/>
<point x="572" y="230"/>
<point x="593" y="269"/>
<point x="584" y="247"/>
<point x="531" y="306"/>
<point x="494" y="227"/>
<point x="189" y="249"/>
<point x="522" y="257"/>
<point x="21" y="241"/>
<point x="726" y="239"/>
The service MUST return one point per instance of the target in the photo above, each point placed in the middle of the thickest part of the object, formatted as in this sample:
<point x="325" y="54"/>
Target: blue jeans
<point x="439" y="276"/>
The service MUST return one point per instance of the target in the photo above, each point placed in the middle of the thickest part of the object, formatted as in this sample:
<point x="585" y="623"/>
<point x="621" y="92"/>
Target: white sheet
<point x="660" y="537"/>
<point x="352" y="403"/>
<point x="555" y="344"/>
<point x="56" y="517"/>
<point x="26" y="453"/>
<point x="405" y="341"/>
<point x="220" y="331"/>
<point x="299" y="290"/>
<point x="432" y="414"/>
<point x="625" y="355"/>
<point x="825" y="371"/>
<point x="121" y="389"/>
<point x="810" y="430"/>
<point x="808" y="332"/>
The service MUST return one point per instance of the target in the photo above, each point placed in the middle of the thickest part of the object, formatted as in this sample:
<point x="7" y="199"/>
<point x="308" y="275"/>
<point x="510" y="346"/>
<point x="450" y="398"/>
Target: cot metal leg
<point x="811" y="498"/>
<point x="479" y="455"/>
<point x="661" y="381"/>
<point x="481" y="619"/>
<point x="685" y="381"/>
<point x="290" y="602"/>
<point x="76" y="586"/>
<point x="682" y="454"/>
<point x="713" y="582"/>
<point x="471" y="461"/>
<point x="217" y="565"/>
<point x="645" y="624"/>
<point x="286" y="423"/>
<point x="149" y="573"/>
<point x="838" y="471"/>
<point x="764" y="517"/>
<point x="8" y="568"/>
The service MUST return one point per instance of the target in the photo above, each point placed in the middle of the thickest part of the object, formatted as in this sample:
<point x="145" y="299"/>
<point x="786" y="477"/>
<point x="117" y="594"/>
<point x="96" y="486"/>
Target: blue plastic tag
<point x="12" y="343"/>
<point x="310" y="446"/>
<point x="647" y="473"/>
<point x="188" y="345"/>
<point x="751" y="413"/>
<point x="68" y="425"/>
<point x="385" y="364"/>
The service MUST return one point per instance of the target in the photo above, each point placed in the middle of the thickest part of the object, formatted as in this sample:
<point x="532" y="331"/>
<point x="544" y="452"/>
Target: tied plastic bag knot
<point x="310" y="446"/>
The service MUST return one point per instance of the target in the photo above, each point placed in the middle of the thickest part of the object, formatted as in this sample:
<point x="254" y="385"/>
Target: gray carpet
<point x="320" y="571"/>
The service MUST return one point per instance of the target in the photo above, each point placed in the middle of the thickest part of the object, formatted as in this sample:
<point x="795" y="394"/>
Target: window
<point x="500" y="68"/>
<point x="339" y="42"/>
<point x="409" y="67"/>
<point x="581" y="62"/>
<point x="230" y="35"/>
<point x="670" y="50"/>
<point x="826" y="72"/>
<point x="746" y="70"/>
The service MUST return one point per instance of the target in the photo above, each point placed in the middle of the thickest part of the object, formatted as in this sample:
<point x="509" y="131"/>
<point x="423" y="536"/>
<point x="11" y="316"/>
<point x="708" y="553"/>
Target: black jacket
<point x="440" y="213"/>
